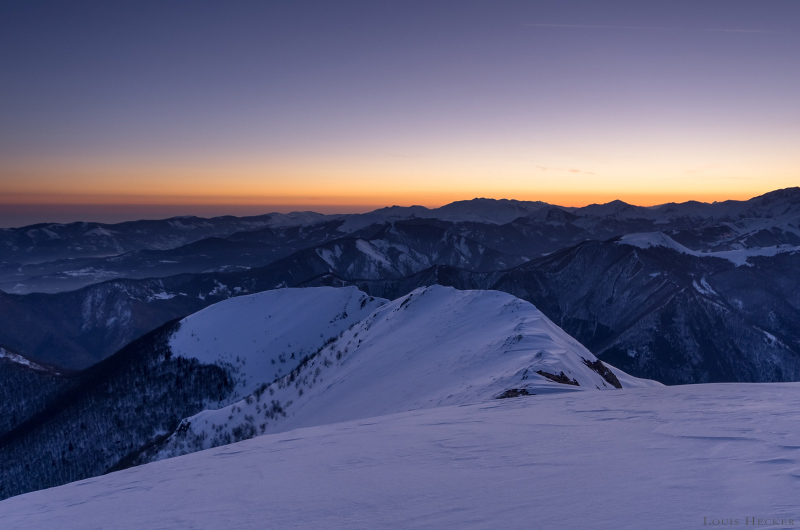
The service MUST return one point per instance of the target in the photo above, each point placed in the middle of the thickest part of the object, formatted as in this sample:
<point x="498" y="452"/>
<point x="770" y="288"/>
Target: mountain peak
<point x="786" y="194"/>
<point x="610" y="208"/>
<point x="434" y="347"/>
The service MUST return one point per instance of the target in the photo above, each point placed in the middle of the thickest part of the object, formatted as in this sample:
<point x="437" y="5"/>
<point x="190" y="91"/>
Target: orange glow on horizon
<point x="638" y="173"/>
<point x="368" y="202"/>
<point x="363" y="184"/>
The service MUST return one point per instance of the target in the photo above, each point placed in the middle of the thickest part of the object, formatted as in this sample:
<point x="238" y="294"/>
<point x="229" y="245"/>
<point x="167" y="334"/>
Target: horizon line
<point x="120" y="212"/>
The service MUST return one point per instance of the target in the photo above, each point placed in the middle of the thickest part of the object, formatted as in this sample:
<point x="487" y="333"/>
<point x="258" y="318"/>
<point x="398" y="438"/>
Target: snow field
<point x="656" y="458"/>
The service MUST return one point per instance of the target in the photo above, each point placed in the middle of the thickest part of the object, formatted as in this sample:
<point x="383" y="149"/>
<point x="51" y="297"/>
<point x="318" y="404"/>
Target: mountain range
<point x="280" y="359"/>
<point x="657" y="304"/>
<point x="212" y="331"/>
<point x="58" y="257"/>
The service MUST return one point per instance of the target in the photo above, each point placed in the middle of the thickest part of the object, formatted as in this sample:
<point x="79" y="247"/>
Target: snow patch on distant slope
<point x="737" y="257"/>
<point x="99" y="231"/>
<point x="19" y="359"/>
<point x="160" y="296"/>
<point x="703" y="287"/>
<point x="654" y="239"/>
<point x="92" y="272"/>
<point x="327" y="256"/>
<point x="371" y="252"/>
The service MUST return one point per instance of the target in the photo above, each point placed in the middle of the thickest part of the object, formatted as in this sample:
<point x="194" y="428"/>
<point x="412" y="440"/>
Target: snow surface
<point x="19" y="359"/>
<point x="657" y="458"/>
<point x="382" y="258"/>
<point x="737" y="257"/>
<point x="90" y="271"/>
<point x="365" y="247"/>
<point x="160" y="296"/>
<point x="434" y="347"/>
<point x="264" y="335"/>
<point x="99" y="231"/>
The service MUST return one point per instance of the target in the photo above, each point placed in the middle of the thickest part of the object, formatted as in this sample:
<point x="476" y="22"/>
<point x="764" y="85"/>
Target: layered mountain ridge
<point x="284" y="358"/>
<point x="396" y="250"/>
<point x="290" y="323"/>
<point x="58" y="257"/>
<point x="434" y="347"/>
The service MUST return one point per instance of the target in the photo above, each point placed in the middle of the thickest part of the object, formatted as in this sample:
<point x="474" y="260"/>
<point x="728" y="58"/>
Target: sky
<point x="120" y="110"/>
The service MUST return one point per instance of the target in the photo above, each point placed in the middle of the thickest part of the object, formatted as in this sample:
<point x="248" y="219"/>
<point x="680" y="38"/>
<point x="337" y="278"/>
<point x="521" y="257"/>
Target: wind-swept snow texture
<point x="656" y="458"/>
<point x="434" y="347"/>
<point x="264" y="335"/>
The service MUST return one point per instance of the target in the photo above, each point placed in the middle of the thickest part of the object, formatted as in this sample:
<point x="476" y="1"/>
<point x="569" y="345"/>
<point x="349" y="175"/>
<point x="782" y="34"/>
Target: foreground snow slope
<point x="657" y="458"/>
<point x="434" y="347"/>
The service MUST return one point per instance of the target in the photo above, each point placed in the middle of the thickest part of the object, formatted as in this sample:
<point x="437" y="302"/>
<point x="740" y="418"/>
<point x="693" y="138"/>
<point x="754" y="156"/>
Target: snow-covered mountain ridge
<point x="263" y="336"/>
<point x="738" y="257"/>
<point x="298" y="250"/>
<point x="276" y="360"/>
<point x="436" y="346"/>
<point x="776" y="211"/>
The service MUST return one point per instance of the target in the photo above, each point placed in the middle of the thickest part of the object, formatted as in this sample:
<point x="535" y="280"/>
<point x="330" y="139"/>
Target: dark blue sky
<point x="356" y="103"/>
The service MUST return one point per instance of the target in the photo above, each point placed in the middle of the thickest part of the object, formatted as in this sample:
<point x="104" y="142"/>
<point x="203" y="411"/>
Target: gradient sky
<point x="241" y="107"/>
